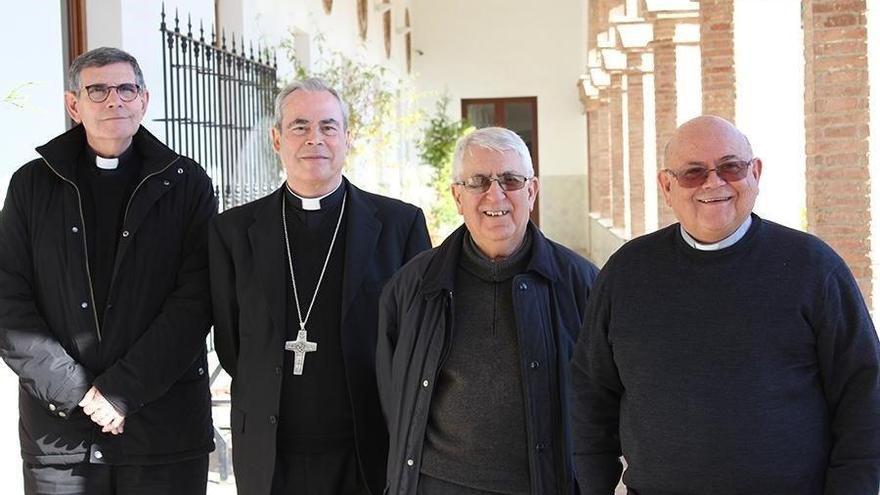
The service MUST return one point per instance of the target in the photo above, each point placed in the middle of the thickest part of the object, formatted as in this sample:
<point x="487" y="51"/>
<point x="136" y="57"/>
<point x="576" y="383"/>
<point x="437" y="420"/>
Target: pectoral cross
<point x="300" y="347"/>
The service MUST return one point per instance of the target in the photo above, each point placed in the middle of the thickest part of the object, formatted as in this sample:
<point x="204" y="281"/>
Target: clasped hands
<point x="102" y="412"/>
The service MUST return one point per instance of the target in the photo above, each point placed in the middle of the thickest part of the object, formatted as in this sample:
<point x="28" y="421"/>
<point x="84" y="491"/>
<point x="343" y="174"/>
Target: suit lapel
<point x="362" y="229"/>
<point x="270" y="261"/>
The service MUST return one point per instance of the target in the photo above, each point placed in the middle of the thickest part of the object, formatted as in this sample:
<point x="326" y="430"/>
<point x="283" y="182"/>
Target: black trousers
<point x="178" y="478"/>
<point x="322" y="473"/>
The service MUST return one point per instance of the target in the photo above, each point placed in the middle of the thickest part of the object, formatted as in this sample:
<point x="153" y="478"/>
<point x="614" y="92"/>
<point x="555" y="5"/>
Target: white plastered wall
<point x="32" y="89"/>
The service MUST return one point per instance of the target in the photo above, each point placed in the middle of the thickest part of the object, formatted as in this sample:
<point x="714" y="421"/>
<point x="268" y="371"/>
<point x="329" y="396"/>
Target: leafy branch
<point x="436" y="149"/>
<point x="17" y="95"/>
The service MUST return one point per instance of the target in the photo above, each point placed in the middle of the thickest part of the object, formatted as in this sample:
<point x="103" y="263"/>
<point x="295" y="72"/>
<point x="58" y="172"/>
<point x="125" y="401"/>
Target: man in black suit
<point x="296" y="278"/>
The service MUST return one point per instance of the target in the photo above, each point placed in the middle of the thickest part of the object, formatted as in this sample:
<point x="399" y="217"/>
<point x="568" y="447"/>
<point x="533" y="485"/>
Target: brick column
<point x="615" y="123"/>
<point x="593" y="169"/>
<point x="836" y="119"/>
<point x="665" y="102"/>
<point x="600" y="172"/>
<point x="716" y="52"/>
<point x="636" y="142"/>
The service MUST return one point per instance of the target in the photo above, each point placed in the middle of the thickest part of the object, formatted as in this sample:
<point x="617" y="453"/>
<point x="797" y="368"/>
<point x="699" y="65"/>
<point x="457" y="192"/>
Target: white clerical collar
<point x="311" y="204"/>
<point x="723" y="243"/>
<point x="106" y="163"/>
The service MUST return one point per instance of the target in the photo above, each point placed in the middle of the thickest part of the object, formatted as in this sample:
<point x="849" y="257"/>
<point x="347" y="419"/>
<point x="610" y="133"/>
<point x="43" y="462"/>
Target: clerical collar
<point x="723" y="243"/>
<point x="109" y="163"/>
<point x="312" y="204"/>
<point x="106" y="163"/>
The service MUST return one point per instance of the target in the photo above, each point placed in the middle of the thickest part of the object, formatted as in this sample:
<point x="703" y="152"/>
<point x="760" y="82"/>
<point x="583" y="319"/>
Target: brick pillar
<point x="615" y="116"/>
<point x="836" y="120"/>
<point x="716" y="52"/>
<point x="636" y="142"/>
<point x="600" y="172"/>
<point x="593" y="169"/>
<point x="665" y="102"/>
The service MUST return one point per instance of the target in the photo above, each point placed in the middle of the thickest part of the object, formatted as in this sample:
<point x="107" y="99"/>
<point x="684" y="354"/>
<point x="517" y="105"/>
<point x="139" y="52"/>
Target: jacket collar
<point x="362" y="228"/>
<point x="63" y="151"/>
<point x="440" y="274"/>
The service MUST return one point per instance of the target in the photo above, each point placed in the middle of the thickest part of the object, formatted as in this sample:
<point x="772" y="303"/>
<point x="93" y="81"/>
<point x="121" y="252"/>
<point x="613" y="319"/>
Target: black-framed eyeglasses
<point x="127" y="92"/>
<point x="695" y="175"/>
<point x="481" y="183"/>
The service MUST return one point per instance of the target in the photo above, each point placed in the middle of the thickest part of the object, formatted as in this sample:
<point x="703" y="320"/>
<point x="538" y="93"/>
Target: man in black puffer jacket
<point x="104" y="298"/>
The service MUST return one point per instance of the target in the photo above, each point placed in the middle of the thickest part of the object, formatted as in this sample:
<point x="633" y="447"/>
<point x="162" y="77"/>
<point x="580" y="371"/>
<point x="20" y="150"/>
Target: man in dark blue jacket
<point x="475" y="338"/>
<point x="104" y="298"/>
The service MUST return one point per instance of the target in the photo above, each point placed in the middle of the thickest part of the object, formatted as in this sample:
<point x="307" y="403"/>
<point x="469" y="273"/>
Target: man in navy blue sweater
<point x="726" y="354"/>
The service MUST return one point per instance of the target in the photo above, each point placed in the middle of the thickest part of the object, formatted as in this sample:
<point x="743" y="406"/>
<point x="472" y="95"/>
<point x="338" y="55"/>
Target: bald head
<point x="712" y="208"/>
<point x="705" y="129"/>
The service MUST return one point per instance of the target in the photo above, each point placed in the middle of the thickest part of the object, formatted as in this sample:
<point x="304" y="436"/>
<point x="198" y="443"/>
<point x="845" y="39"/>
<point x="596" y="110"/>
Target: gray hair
<point x="311" y="84"/>
<point x="495" y="139"/>
<point x="99" y="57"/>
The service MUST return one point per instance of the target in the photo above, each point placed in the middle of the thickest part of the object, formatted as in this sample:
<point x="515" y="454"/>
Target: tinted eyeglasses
<point x="98" y="93"/>
<point x="695" y="175"/>
<point x="481" y="183"/>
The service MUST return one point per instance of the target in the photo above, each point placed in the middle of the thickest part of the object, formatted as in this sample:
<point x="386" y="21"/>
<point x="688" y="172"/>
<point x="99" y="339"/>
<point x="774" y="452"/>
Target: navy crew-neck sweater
<point x="752" y="369"/>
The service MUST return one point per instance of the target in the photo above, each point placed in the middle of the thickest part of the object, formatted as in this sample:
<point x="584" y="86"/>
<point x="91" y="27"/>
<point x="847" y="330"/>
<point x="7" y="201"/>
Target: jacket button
<point x="425" y="383"/>
<point x="84" y="305"/>
<point x="534" y="365"/>
<point x="278" y="371"/>
<point x="523" y="286"/>
<point x="180" y="171"/>
<point x="125" y="233"/>
<point x="539" y="447"/>
<point x="166" y="182"/>
<point x="98" y="454"/>
<point x="272" y="420"/>
<point x="52" y="407"/>
<point x="201" y="371"/>
<point x="74" y="229"/>
<point x="62" y="414"/>
<point x="410" y="462"/>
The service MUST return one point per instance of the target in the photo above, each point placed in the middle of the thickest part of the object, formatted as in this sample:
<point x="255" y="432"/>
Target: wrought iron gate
<point x="218" y="109"/>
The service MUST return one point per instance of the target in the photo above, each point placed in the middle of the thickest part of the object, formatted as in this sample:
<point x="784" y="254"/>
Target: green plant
<point x="436" y="149"/>
<point x="17" y="95"/>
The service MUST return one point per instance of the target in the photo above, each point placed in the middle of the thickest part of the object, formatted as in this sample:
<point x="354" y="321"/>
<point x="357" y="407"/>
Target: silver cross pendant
<point x="300" y="347"/>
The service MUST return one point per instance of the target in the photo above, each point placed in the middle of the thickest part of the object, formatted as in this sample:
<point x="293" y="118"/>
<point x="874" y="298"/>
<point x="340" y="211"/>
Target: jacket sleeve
<point x="224" y="302"/>
<point x="385" y="346"/>
<point x="173" y="340"/>
<point x="45" y="369"/>
<point x="418" y="239"/>
<point x="849" y="362"/>
<point x="596" y="390"/>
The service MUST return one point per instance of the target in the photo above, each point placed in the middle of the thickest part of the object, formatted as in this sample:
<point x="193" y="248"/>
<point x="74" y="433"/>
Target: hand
<point x="102" y="412"/>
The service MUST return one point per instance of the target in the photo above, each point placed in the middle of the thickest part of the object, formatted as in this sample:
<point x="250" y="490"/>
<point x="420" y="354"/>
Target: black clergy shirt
<point x="315" y="411"/>
<point x="104" y="195"/>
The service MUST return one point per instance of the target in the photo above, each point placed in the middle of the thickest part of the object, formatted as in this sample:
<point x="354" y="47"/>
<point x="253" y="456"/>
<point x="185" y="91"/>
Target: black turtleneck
<point x="476" y="434"/>
<point x="315" y="411"/>
<point x="105" y="194"/>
